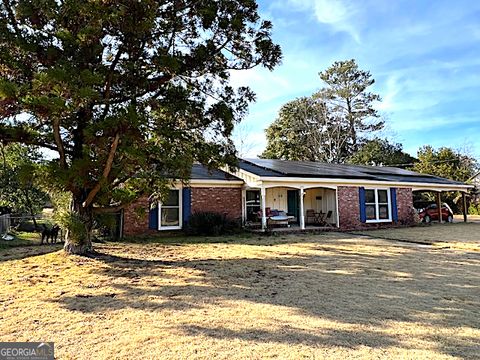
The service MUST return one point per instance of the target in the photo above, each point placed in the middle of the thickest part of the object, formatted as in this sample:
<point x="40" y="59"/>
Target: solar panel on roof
<point x="285" y="168"/>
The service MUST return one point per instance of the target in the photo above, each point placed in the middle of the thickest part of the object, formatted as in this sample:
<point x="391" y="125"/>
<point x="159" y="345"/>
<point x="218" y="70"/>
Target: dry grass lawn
<point x="461" y="236"/>
<point x="290" y="297"/>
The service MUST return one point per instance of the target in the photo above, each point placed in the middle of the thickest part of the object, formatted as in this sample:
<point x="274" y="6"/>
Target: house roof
<point x="201" y="172"/>
<point x="309" y="169"/>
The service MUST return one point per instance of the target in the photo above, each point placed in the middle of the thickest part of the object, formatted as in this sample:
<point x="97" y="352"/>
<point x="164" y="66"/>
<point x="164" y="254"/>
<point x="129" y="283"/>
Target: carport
<point x="442" y="189"/>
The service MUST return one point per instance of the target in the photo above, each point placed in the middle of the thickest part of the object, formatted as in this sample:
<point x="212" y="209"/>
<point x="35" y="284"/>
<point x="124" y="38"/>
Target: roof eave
<point x="341" y="181"/>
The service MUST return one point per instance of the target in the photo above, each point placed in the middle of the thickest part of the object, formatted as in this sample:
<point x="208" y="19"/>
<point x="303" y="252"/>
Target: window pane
<point x="383" y="211"/>
<point x="370" y="210"/>
<point x="170" y="217"/>
<point x="253" y="197"/>
<point x="173" y="198"/>
<point x="382" y="196"/>
<point x="369" y="196"/>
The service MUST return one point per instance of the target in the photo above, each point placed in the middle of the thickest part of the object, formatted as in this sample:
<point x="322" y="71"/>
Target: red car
<point x="430" y="213"/>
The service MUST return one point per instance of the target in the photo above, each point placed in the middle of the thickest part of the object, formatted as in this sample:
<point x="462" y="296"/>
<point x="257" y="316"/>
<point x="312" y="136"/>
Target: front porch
<point x="290" y="209"/>
<point x="294" y="228"/>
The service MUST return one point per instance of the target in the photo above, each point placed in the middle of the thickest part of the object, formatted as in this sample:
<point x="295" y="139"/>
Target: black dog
<point x="51" y="234"/>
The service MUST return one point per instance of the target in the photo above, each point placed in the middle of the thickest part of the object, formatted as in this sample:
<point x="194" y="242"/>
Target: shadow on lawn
<point x="337" y="284"/>
<point x="24" y="251"/>
<point x="243" y="238"/>
<point x="331" y="337"/>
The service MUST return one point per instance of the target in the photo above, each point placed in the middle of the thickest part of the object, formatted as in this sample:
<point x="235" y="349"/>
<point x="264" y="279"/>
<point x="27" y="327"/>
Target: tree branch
<point x="59" y="142"/>
<point x="108" y="83"/>
<point x="9" y="134"/>
<point x="104" y="210"/>
<point x="106" y="171"/>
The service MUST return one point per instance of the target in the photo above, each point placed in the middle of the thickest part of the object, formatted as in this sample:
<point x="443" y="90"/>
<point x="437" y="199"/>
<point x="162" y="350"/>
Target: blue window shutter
<point x="153" y="217"/>
<point x="361" y="198"/>
<point x="186" y="204"/>
<point x="393" y="197"/>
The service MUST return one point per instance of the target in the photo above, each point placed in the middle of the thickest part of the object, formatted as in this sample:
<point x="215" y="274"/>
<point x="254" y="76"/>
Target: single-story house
<point x="348" y="196"/>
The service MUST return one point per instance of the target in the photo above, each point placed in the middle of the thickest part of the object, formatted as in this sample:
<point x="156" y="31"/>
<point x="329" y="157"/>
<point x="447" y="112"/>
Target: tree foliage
<point x="20" y="189"/>
<point x="126" y="91"/>
<point x="380" y="152"/>
<point x="447" y="163"/>
<point x="331" y="124"/>
<point x="349" y="98"/>
<point x="304" y="130"/>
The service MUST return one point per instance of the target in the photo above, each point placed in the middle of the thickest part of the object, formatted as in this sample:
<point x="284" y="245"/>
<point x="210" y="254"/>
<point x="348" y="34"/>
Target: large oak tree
<point x="330" y="125"/>
<point x="305" y="130"/>
<point x="126" y="92"/>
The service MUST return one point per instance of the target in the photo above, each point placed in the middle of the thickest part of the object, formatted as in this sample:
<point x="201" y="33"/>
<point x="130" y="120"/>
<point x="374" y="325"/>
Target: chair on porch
<point x="310" y="217"/>
<point x="327" y="219"/>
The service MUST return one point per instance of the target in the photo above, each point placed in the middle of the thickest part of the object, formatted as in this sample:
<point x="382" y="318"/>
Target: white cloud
<point x="267" y="85"/>
<point x="339" y="14"/>
<point x="390" y="91"/>
<point x="425" y="66"/>
<point x="428" y="123"/>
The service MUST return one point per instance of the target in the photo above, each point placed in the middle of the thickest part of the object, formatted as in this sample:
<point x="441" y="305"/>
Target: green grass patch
<point x="22" y="238"/>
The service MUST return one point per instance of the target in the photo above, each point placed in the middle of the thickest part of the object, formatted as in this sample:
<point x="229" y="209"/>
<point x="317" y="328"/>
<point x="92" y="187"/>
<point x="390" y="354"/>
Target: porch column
<point x="244" y="206"/>
<point x="439" y="205"/>
<point x="302" y="215"/>
<point x="464" y="202"/>
<point x="336" y="208"/>
<point x="264" y="212"/>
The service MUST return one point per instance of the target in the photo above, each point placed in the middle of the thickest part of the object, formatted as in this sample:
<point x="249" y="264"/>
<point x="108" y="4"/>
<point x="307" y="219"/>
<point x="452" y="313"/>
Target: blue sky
<point x="424" y="56"/>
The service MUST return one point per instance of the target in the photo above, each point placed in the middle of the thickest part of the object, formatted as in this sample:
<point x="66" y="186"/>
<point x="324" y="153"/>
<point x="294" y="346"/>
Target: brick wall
<point x="135" y="223"/>
<point x="349" y="209"/>
<point x="222" y="200"/>
<point x="216" y="199"/>
<point x="229" y="201"/>
<point x="405" y="206"/>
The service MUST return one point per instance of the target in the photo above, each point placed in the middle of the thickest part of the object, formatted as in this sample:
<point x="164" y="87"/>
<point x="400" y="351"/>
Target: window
<point x="252" y="203"/>
<point x="169" y="214"/>
<point x="377" y="205"/>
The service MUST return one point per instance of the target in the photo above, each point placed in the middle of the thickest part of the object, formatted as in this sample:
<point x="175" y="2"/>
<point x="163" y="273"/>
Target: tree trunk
<point x="76" y="249"/>
<point x="30" y="209"/>
<point x="79" y="239"/>
<point x="351" y="119"/>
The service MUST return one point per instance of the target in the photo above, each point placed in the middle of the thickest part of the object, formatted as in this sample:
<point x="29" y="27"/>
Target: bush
<point x="474" y="209"/>
<point x="72" y="222"/>
<point x="211" y="224"/>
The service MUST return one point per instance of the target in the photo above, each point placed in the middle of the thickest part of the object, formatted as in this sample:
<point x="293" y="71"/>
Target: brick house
<point x="215" y="191"/>
<point x="347" y="196"/>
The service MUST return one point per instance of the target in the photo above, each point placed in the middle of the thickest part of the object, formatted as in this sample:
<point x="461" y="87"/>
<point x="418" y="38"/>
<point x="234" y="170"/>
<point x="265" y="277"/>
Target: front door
<point x="293" y="203"/>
